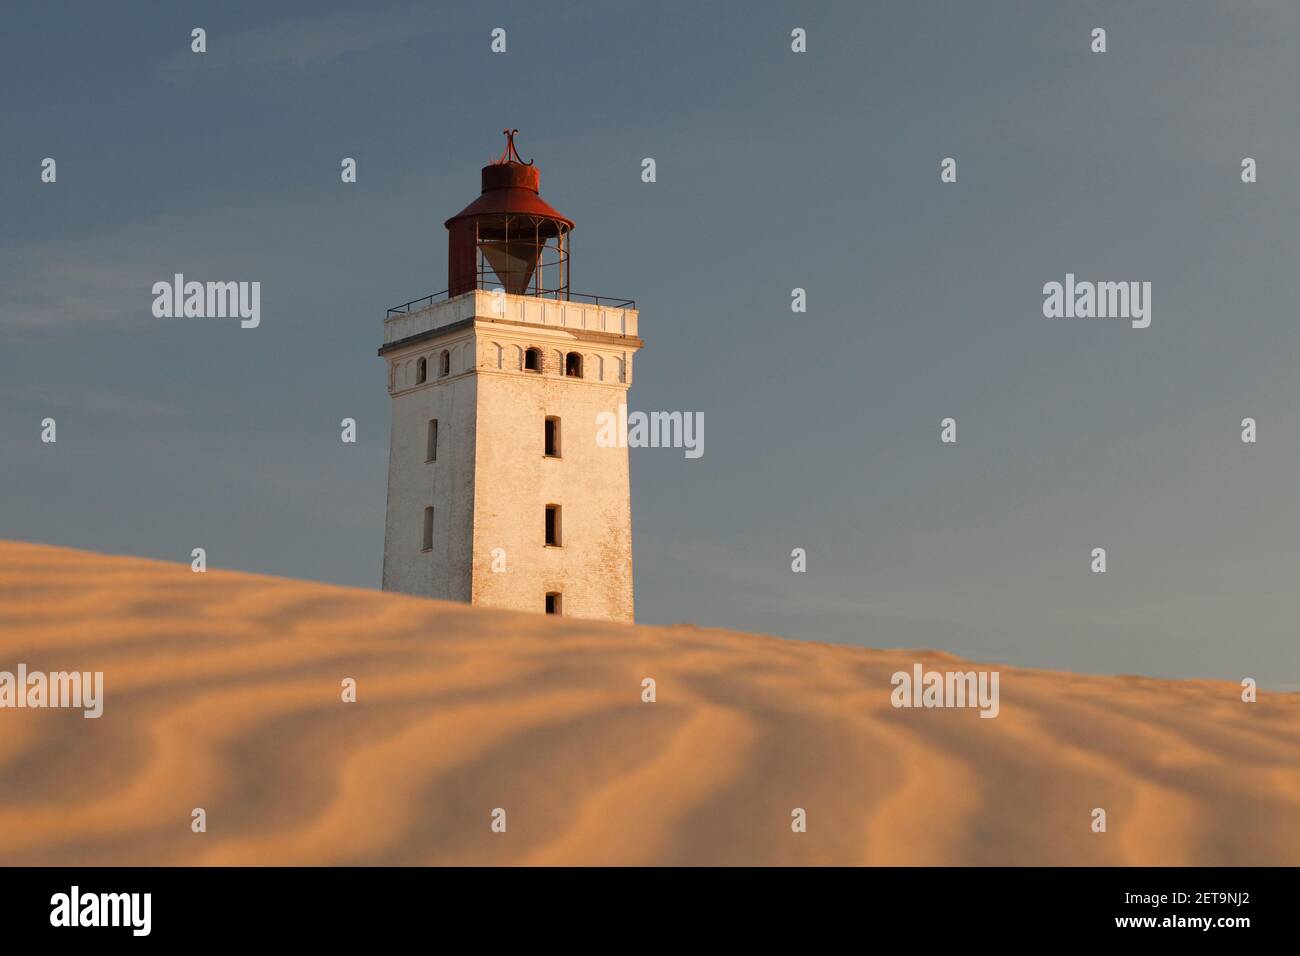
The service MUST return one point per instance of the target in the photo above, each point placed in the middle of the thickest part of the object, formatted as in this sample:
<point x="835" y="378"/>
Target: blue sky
<point x="775" y="170"/>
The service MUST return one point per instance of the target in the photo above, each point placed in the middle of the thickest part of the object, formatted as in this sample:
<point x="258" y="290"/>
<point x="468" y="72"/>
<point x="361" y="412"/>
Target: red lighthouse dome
<point x="509" y="237"/>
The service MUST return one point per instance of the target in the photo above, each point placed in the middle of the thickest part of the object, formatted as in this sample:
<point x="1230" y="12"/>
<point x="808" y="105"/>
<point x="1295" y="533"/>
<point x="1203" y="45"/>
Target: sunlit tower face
<point x="509" y="237"/>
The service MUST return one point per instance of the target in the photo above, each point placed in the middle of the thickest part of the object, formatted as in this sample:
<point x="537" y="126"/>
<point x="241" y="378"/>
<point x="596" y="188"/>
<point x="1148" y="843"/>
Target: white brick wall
<point x="492" y="482"/>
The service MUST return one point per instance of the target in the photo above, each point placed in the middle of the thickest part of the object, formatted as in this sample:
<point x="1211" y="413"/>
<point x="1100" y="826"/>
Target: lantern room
<point x="509" y="237"/>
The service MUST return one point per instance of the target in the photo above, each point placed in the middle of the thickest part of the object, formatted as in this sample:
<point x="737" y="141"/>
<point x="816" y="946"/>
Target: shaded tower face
<point x="509" y="238"/>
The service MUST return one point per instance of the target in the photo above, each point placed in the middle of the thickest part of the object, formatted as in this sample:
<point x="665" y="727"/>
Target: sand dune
<point x="223" y="691"/>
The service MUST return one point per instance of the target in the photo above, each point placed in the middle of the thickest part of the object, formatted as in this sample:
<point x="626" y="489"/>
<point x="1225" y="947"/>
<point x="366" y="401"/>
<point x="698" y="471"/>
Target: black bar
<point x="470" y="909"/>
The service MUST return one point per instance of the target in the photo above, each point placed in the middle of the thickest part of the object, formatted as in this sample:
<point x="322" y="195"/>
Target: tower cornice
<point x="486" y="306"/>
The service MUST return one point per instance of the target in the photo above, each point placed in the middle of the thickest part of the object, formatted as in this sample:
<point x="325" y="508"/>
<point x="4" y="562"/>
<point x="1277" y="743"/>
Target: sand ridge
<point x="222" y="691"/>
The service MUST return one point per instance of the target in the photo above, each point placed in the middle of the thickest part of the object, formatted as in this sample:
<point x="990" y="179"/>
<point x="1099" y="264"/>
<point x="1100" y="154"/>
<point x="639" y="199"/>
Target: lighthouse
<point x="498" y="492"/>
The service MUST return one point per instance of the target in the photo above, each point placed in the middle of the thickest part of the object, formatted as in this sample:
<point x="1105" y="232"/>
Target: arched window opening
<point x="444" y="368"/>
<point x="421" y="371"/>
<point x="573" y="365"/>
<point x="533" y="360"/>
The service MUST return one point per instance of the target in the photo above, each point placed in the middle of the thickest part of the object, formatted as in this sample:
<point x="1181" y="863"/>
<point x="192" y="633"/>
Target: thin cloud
<point x="84" y="397"/>
<point x="304" y="44"/>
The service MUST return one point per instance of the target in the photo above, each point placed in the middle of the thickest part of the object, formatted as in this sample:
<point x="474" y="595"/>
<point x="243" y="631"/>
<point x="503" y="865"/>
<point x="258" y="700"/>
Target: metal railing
<point x="415" y="305"/>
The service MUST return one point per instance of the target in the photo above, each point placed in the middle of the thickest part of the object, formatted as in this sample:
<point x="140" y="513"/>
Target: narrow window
<point x="421" y="371"/>
<point x="552" y="438"/>
<point x="552" y="526"/>
<point x="428" y="529"/>
<point x="533" y="360"/>
<point x="444" y="367"/>
<point x="553" y="602"/>
<point x="573" y="365"/>
<point x="431" y="452"/>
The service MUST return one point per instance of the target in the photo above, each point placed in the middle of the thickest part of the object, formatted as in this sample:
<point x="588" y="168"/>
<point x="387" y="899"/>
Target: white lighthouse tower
<point x="498" y="493"/>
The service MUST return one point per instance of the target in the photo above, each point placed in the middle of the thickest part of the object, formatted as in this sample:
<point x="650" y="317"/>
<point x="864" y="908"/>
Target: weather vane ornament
<point x="511" y="155"/>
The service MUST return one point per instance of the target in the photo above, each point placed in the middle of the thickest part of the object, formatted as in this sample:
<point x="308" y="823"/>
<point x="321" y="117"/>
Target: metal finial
<point x="511" y="154"/>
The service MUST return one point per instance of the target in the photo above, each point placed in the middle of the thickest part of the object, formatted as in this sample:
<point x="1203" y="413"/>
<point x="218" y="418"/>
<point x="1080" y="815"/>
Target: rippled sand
<point x="223" y="691"/>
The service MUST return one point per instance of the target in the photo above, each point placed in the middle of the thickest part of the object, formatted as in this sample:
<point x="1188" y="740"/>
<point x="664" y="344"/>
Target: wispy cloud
<point x="106" y="279"/>
<point x="89" y="398"/>
<point x="81" y="280"/>
<point x="305" y="43"/>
